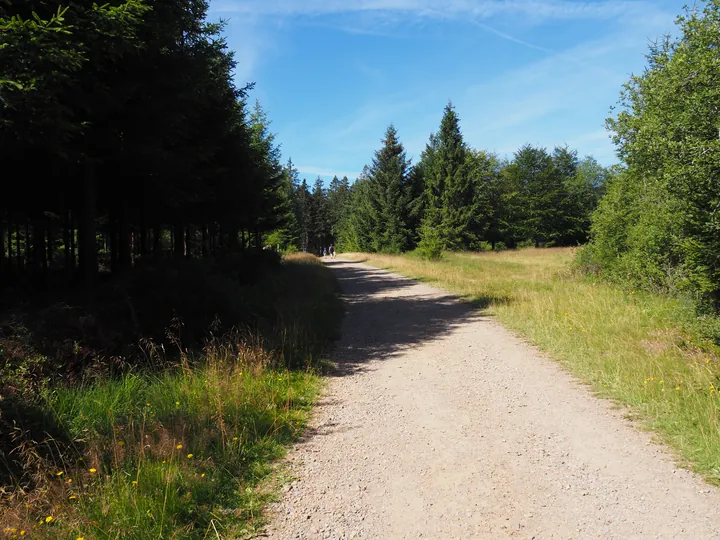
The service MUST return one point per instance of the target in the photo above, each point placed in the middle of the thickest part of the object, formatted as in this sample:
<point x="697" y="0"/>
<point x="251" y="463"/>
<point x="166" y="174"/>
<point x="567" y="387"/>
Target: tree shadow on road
<point x="387" y="314"/>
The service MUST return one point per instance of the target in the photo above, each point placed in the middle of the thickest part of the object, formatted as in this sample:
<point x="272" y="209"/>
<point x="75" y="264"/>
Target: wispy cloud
<point x="480" y="9"/>
<point x="508" y="37"/>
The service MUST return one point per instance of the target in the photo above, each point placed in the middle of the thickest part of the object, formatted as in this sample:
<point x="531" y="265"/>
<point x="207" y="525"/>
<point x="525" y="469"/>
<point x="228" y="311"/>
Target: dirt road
<point x="440" y="424"/>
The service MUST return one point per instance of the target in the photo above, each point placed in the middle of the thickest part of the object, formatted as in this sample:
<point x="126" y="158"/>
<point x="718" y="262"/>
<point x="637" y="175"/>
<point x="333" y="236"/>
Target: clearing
<point x="439" y="423"/>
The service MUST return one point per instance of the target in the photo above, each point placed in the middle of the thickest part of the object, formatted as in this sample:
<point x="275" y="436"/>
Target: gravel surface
<point x="441" y="424"/>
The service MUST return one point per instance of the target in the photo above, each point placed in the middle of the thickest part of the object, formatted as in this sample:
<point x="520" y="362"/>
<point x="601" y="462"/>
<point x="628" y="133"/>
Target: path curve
<point x="441" y="424"/>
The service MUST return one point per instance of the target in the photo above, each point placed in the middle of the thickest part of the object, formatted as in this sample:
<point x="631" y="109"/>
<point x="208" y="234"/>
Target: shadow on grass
<point x="386" y="314"/>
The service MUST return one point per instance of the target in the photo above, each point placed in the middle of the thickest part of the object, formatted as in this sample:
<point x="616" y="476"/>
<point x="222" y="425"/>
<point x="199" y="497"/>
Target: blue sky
<point x="333" y="74"/>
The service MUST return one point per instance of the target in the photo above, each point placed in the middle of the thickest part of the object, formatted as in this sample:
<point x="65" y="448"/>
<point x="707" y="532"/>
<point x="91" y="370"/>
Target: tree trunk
<point x="9" y="241"/>
<point x="28" y="250"/>
<point x="190" y="241"/>
<point x="213" y="238"/>
<point x="50" y="245"/>
<point x="67" y="232"/>
<point x="205" y="241"/>
<point x="124" y="248"/>
<point x="157" y="236"/>
<point x="143" y="239"/>
<point x="18" y="260"/>
<point x="179" y="244"/>
<point x="39" y="263"/>
<point x="3" y="264"/>
<point x="73" y="243"/>
<point x="87" y="248"/>
<point x="113" y="241"/>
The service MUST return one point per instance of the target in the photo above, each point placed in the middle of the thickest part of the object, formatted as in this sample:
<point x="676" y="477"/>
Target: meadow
<point x="648" y="352"/>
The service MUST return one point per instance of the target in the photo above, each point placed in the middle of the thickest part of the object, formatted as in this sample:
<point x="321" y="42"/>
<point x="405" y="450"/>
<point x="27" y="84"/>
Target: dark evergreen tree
<point x="390" y="195"/>
<point x="449" y="186"/>
<point x="319" y="219"/>
<point x="338" y="196"/>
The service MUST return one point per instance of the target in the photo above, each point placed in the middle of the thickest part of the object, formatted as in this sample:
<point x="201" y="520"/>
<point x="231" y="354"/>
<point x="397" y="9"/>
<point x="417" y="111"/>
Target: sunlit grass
<point x="641" y="349"/>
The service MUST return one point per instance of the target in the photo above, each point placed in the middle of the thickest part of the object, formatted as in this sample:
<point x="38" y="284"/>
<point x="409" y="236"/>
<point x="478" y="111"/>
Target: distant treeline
<point x="454" y="198"/>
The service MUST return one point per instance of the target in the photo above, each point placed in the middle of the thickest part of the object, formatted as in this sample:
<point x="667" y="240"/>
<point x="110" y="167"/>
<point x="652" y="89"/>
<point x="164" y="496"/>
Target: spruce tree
<point x="338" y="196"/>
<point x="449" y="189"/>
<point x="540" y="197"/>
<point x="319" y="218"/>
<point x="390" y="194"/>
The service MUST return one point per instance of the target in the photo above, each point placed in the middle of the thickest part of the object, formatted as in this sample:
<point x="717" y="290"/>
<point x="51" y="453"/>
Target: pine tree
<point x="357" y="229"/>
<point x="390" y="194"/>
<point x="540" y="195"/>
<point x="338" y="196"/>
<point x="449" y="189"/>
<point x="319" y="218"/>
<point x="301" y="210"/>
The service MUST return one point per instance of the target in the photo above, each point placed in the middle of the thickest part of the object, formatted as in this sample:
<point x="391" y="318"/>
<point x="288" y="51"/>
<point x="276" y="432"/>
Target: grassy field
<point x="185" y="452"/>
<point x="643" y="350"/>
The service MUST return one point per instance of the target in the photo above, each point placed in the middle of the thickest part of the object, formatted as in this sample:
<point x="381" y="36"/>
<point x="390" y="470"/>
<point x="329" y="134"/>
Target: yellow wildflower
<point x="69" y="480"/>
<point x="235" y="438"/>
<point x="59" y="473"/>
<point x="72" y="497"/>
<point x="48" y="519"/>
<point x="179" y="446"/>
<point x="121" y="443"/>
<point x="189" y="456"/>
<point x="93" y="470"/>
<point x="134" y="482"/>
<point x="202" y="475"/>
<point x="177" y="403"/>
<point x="22" y="532"/>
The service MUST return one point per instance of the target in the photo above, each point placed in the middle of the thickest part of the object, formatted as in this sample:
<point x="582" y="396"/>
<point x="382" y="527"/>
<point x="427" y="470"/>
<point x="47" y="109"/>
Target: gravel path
<point x="441" y="424"/>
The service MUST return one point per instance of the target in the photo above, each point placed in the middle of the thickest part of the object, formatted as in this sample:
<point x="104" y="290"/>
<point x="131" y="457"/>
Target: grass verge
<point x="646" y="351"/>
<point x="184" y="452"/>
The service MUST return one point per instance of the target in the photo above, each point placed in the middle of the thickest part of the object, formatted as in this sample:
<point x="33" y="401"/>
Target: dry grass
<point x="643" y="350"/>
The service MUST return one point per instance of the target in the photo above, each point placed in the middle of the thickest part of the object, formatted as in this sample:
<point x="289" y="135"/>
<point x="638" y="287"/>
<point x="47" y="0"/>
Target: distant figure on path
<point x="332" y="251"/>
<point x="324" y="252"/>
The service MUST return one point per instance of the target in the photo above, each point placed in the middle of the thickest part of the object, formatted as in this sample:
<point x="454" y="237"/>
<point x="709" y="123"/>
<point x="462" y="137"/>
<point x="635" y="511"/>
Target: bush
<point x="431" y="244"/>
<point x="657" y="226"/>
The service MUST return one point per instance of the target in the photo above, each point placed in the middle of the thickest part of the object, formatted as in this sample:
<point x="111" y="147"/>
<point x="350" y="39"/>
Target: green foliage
<point x="657" y="224"/>
<point x="134" y="105"/>
<point x="431" y="243"/>
<point x="382" y="203"/>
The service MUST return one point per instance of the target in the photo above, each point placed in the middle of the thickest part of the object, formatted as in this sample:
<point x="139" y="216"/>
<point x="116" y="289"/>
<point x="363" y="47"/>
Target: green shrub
<point x="431" y="243"/>
<point x="657" y="226"/>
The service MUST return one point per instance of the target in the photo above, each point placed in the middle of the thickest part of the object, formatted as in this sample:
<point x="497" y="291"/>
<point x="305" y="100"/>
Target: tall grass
<point x="185" y="452"/>
<point x="646" y="351"/>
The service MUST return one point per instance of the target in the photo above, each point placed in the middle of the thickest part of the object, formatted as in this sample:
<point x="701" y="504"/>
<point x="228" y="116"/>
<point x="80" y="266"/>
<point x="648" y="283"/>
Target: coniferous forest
<point x="131" y="139"/>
